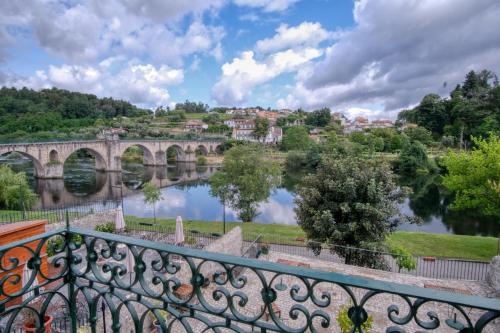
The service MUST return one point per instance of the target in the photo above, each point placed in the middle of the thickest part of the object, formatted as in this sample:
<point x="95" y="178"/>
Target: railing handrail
<point x="332" y="277"/>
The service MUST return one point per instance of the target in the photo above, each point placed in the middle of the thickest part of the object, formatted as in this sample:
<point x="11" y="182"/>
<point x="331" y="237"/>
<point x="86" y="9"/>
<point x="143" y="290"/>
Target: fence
<point x="57" y="214"/>
<point x="187" y="295"/>
<point x="166" y="234"/>
<point x="440" y="268"/>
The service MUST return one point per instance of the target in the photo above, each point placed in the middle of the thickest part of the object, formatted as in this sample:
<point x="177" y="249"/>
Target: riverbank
<point x="418" y="243"/>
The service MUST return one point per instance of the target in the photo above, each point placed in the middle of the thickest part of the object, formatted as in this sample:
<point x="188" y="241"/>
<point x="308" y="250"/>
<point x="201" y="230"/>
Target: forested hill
<point x="473" y="109"/>
<point x="30" y="111"/>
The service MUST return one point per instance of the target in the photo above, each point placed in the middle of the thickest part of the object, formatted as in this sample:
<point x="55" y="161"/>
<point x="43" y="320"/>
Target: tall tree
<point x="15" y="192"/>
<point x="296" y="138"/>
<point x="349" y="202"/>
<point x="152" y="195"/>
<point x="474" y="176"/>
<point x="319" y="118"/>
<point x="245" y="179"/>
<point x="261" y="128"/>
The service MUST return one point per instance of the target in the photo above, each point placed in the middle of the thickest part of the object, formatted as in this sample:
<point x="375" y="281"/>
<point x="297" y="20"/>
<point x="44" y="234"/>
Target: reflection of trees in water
<point x="135" y="175"/>
<point x="80" y="176"/>
<point x="425" y="200"/>
<point x="430" y="200"/>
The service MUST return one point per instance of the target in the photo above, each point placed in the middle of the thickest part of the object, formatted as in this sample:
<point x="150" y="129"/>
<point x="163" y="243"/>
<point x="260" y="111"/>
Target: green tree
<point x="319" y="118"/>
<point x="261" y="128"/>
<point x="349" y="202"/>
<point x="245" y="179"/>
<point x="152" y="195"/>
<point x="474" y="176"/>
<point x="413" y="157"/>
<point x="403" y="258"/>
<point x="15" y="192"/>
<point x="419" y="134"/>
<point x="296" y="138"/>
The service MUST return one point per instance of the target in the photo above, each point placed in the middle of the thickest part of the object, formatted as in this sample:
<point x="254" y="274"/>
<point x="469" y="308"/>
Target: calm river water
<point x="185" y="192"/>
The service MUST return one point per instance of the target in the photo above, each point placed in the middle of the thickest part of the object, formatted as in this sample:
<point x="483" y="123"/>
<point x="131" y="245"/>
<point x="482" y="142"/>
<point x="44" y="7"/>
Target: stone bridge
<point x="49" y="157"/>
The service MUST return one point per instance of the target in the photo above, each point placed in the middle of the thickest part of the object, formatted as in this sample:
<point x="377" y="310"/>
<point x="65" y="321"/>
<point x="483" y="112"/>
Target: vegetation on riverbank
<point x="417" y="243"/>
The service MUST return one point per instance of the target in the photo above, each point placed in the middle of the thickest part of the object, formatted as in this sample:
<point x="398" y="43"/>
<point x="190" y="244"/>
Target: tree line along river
<point x="185" y="192"/>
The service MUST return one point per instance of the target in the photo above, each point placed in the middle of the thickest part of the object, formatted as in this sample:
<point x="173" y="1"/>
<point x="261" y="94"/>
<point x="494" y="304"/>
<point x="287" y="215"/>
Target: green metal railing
<point x="141" y="283"/>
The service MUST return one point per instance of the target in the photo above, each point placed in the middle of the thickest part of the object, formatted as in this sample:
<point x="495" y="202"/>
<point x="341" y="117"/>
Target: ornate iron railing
<point x="187" y="290"/>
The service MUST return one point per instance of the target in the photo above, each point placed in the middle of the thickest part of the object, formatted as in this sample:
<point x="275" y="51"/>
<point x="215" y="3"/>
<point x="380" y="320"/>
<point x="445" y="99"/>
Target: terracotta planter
<point x="30" y="328"/>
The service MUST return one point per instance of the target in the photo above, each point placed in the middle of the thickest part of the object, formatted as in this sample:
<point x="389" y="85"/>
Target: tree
<point x="152" y="195"/>
<point x="403" y="258"/>
<point x="474" y="176"/>
<point x="261" y="128"/>
<point x="319" y="118"/>
<point x="349" y="202"/>
<point x="15" y="192"/>
<point x="245" y="179"/>
<point x="296" y="138"/>
<point x="413" y="157"/>
<point x="419" y="134"/>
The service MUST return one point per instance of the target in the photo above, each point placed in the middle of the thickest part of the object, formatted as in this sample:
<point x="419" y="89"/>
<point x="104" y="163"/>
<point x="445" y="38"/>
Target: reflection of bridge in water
<point x="109" y="185"/>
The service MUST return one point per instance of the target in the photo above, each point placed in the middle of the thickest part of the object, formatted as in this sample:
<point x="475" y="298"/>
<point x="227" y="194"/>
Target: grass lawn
<point x="418" y="243"/>
<point x="442" y="245"/>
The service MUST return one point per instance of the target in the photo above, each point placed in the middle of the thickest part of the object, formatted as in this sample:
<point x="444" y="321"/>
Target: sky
<point x="363" y="57"/>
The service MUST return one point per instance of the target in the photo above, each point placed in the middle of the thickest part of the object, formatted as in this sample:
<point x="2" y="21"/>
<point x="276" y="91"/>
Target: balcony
<point x="106" y="282"/>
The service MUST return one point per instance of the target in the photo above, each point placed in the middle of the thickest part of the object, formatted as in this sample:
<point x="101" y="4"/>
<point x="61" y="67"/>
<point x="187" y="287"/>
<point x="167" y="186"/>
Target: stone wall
<point x="493" y="276"/>
<point x="88" y="221"/>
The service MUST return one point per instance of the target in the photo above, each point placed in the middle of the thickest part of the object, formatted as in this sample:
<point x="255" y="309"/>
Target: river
<point x="185" y="192"/>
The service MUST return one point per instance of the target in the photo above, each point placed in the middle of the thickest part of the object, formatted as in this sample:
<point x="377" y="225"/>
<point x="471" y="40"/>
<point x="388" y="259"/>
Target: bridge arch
<point x="147" y="155"/>
<point x="100" y="161"/>
<point x="38" y="170"/>
<point x="201" y="150"/>
<point x="174" y="153"/>
<point x="53" y="156"/>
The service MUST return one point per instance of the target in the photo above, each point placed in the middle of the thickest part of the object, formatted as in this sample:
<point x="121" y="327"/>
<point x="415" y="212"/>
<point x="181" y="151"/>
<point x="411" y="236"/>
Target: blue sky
<point x="364" y="57"/>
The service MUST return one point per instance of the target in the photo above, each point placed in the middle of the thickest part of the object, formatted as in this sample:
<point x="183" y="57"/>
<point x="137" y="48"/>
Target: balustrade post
<point x="70" y="279"/>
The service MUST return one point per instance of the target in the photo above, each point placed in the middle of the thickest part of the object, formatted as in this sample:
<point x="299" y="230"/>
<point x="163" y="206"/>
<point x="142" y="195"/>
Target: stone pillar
<point x="493" y="276"/>
<point x="161" y="158"/>
<point x="113" y="157"/>
<point x="52" y="170"/>
<point x="186" y="157"/>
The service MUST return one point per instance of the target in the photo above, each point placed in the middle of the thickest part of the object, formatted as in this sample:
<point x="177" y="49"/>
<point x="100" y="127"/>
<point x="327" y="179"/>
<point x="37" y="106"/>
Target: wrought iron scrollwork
<point x="140" y="283"/>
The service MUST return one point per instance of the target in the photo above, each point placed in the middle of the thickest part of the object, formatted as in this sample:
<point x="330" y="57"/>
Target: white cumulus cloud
<point x="398" y="51"/>
<point x="267" y="5"/>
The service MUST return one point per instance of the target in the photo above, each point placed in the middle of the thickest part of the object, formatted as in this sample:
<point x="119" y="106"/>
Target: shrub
<point x="201" y="160"/>
<point x="346" y="323"/>
<point x="107" y="227"/>
<point x="404" y="259"/>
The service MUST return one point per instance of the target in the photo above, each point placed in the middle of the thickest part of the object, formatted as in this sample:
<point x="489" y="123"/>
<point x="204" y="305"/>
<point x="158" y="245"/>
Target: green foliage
<point x="56" y="244"/>
<point x="295" y="160"/>
<point x="403" y="258"/>
<point x="30" y="111"/>
<point x="192" y="107"/>
<point x="245" y="179"/>
<point x="319" y="118"/>
<point x="296" y="138"/>
<point x="349" y="201"/>
<point x="107" y="227"/>
<point x="419" y="134"/>
<point x="413" y="157"/>
<point x="212" y="118"/>
<point x="346" y="323"/>
<point x="261" y="128"/>
<point x="15" y="192"/>
<point x="152" y="195"/>
<point x="177" y="116"/>
<point x="474" y="176"/>
<point x="201" y="160"/>
<point x="473" y="109"/>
